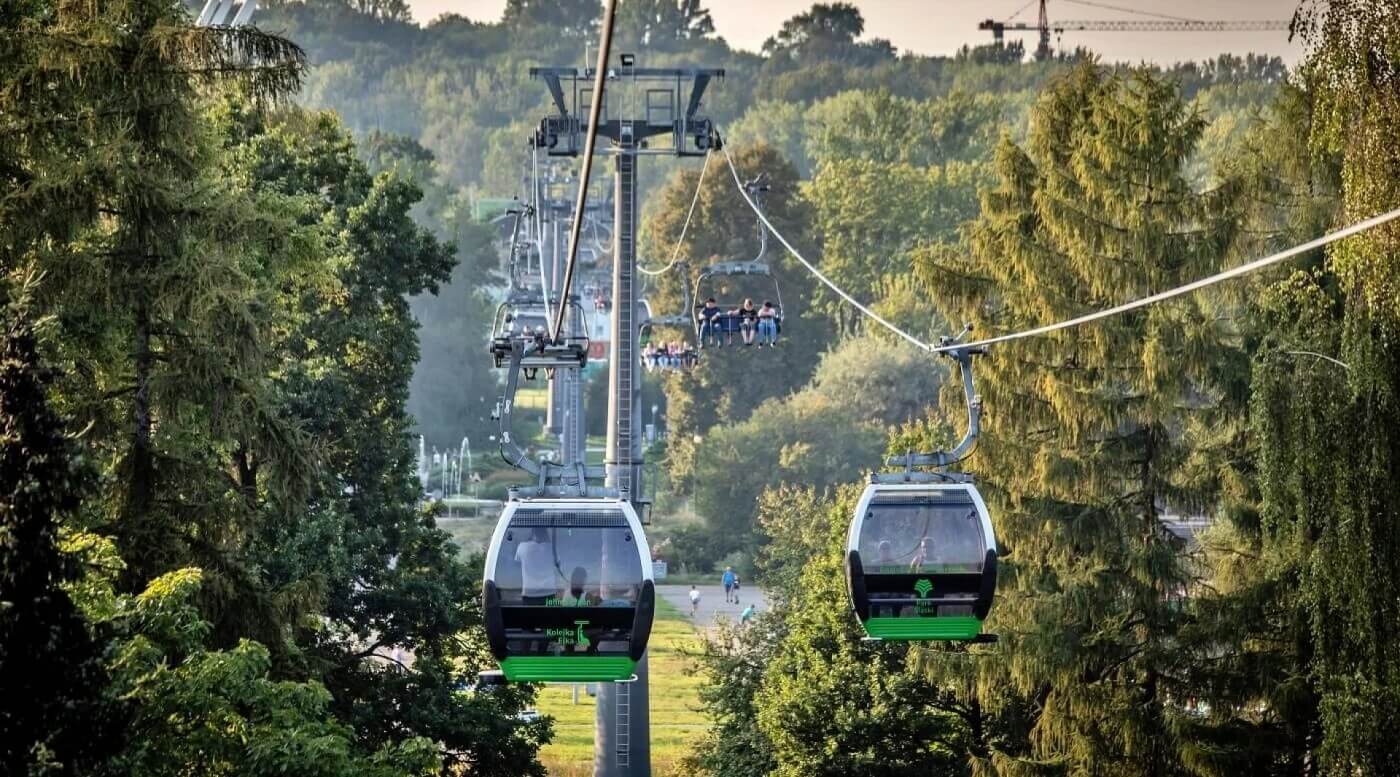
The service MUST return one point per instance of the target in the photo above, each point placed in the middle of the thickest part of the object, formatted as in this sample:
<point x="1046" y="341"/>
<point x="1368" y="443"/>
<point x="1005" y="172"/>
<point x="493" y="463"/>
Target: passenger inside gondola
<point x="924" y="556"/>
<point x="536" y="558"/>
<point x="886" y="555"/>
<point x="923" y="538"/>
<point x="579" y="589"/>
<point x="567" y="589"/>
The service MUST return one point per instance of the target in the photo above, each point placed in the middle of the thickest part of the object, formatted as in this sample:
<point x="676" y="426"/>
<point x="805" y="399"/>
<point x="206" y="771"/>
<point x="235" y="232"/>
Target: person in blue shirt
<point x="710" y="323"/>
<point x="728" y="579"/>
<point x="746" y="615"/>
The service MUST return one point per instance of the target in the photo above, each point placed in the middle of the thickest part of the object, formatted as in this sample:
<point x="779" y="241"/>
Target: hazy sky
<point x="941" y="26"/>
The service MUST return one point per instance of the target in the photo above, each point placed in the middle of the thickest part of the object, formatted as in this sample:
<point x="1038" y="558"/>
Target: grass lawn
<point x="532" y="396"/>
<point x="676" y="722"/>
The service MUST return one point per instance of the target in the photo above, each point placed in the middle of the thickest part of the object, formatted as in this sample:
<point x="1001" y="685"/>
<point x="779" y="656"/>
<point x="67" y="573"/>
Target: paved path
<point x="712" y="604"/>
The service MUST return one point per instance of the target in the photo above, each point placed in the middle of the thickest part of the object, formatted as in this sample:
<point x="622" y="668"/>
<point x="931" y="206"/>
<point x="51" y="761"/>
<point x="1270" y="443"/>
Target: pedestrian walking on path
<point x="729" y="580"/>
<point x="746" y="615"/>
<point x="694" y="601"/>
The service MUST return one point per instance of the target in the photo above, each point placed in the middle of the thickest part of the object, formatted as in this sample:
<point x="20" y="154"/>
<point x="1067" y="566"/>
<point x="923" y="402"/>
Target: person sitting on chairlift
<point x="710" y="322"/>
<point x="748" y="321"/>
<point x="768" y="325"/>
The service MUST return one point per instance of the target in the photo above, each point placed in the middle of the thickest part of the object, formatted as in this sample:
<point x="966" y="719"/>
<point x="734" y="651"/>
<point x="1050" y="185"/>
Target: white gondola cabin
<point x="921" y="561"/>
<point x="568" y="594"/>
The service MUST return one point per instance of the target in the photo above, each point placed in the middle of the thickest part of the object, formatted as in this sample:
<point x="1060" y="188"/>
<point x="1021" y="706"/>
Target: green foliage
<point x="215" y="712"/>
<point x="873" y="215"/>
<point x="805" y="439"/>
<point x="229" y="291"/>
<point x="1091" y="434"/>
<point x="390" y="579"/>
<point x="833" y="704"/>
<point x="1328" y="450"/>
<point x="778" y="124"/>
<point x="882" y="127"/>
<point x="51" y="678"/>
<point x="730" y="382"/>
<point x="659" y="25"/>
<point x="821" y="436"/>
<point x="799" y="691"/>
<point x="566" y="18"/>
<point x="827" y="31"/>
<point x="735" y="660"/>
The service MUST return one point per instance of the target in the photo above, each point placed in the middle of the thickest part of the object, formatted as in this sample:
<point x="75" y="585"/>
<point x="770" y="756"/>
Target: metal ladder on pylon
<point x="626" y="313"/>
<point x="624" y="724"/>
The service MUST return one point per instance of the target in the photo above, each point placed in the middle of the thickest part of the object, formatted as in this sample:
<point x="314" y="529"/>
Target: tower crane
<point x="1162" y="23"/>
<point x="215" y="13"/>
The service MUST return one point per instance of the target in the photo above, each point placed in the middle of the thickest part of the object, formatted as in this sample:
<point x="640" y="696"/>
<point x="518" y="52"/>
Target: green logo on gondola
<point x="923" y="588"/>
<point x="574" y="636"/>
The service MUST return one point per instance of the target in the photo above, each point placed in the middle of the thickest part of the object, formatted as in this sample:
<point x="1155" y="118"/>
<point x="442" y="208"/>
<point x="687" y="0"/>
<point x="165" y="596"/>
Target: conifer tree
<point x="1250" y="636"/>
<point x="51" y="676"/>
<point x="150" y="277"/>
<point x="1090" y="433"/>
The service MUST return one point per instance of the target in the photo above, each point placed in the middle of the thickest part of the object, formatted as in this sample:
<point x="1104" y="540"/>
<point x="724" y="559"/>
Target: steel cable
<point x="1225" y="275"/>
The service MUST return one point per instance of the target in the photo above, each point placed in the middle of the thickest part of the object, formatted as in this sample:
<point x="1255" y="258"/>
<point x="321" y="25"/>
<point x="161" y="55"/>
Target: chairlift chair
<point x="729" y="324"/>
<point x="523" y="316"/>
<point x="681" y="320"/>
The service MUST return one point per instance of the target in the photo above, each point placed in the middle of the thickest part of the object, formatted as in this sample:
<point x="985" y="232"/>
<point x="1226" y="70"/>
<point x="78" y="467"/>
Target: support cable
<point x="739" y="184"/>
<point x="538" y="197"/>
<point x="1225" y="275"/>
<point x="1137" y="11"/>
<point x="1020" y="10"/>
<point x="600" y="78"/>
<point x="544" y="282"/>
<point x="676" y="252"/>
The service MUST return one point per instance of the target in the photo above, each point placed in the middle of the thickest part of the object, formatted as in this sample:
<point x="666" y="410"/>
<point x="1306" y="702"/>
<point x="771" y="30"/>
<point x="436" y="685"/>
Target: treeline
<point x="892" y="182"/>
<point x="818" y="91"/>
<point x="211" y="559"/>
<point x="1264" y="644"/>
